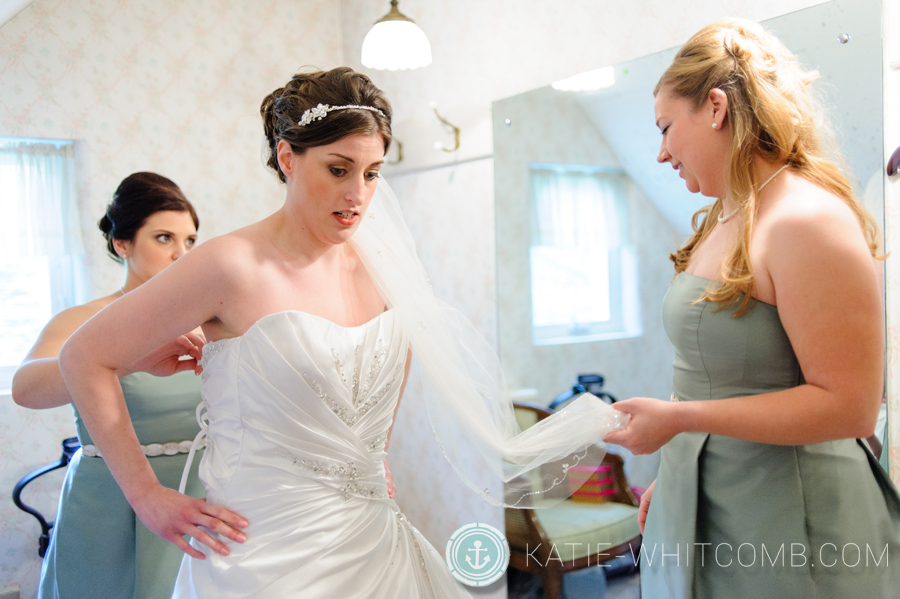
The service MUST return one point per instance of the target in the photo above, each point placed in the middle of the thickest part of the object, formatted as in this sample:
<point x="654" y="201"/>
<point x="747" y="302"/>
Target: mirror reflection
<point x="586" y="218"/>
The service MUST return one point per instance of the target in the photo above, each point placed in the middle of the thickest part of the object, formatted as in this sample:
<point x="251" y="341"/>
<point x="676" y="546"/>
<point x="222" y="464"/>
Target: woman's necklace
<point x="731" y="214"/>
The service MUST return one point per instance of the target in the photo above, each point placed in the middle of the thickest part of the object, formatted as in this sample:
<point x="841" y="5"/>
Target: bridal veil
<point x="468" y="404"/>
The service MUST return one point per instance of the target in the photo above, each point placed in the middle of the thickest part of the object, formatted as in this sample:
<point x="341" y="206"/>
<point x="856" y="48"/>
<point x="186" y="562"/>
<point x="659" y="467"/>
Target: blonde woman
<point x="776" y="318"/>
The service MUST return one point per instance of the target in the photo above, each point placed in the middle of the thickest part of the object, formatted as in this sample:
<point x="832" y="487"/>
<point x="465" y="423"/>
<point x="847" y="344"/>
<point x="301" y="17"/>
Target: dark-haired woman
<point x="98" y="548"/>
<point x="312" y="312"/>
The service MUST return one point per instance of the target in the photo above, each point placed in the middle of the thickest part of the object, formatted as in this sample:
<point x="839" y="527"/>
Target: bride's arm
<point x="185" y="295"/>
<point x="38" y="383"/>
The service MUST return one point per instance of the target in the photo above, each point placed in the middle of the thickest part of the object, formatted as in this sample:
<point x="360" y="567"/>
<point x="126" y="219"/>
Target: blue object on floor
<point x="589" y="583"/>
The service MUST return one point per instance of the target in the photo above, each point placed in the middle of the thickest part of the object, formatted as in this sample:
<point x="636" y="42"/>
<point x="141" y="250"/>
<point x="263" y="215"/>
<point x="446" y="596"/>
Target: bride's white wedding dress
<point x="299" y="410"/>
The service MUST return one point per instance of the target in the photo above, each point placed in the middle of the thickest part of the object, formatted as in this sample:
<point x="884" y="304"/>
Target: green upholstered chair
<point x="573" y="535"/>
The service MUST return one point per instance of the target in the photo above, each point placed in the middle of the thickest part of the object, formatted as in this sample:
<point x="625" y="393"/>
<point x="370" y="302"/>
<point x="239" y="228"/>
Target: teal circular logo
<point x="477" y="554"/>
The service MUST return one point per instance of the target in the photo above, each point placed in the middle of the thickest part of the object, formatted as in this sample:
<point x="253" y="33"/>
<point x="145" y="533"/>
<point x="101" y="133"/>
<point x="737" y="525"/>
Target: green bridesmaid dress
<point x="98" y="548"/>
<point x="733" y="518"/>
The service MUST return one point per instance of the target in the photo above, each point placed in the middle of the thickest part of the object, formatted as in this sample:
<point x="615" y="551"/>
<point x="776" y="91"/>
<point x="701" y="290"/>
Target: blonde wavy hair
<point x="772" y="112"/>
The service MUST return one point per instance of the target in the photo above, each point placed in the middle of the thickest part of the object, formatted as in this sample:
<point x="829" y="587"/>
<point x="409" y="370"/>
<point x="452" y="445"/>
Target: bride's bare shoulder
<point x="232" y="252"/>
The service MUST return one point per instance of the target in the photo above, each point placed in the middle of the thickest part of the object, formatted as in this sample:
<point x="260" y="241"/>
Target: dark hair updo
<point x="138" y="197"/>
<point x="282" y="110"/>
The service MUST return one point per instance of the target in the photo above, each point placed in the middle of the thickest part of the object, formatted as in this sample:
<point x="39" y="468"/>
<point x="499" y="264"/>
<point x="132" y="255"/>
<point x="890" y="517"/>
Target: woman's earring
<point x="715" y="125"/>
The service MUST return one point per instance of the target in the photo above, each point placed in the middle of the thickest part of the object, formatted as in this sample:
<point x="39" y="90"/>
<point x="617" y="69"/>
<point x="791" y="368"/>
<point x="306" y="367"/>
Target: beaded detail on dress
<point x="347" y="471"/>
<point x="375" y="369"/>
<point x="210" y="350"/>
<point x="377" y="443"/>
<point x="348" y="416"/>
<point x="352" y="386"/>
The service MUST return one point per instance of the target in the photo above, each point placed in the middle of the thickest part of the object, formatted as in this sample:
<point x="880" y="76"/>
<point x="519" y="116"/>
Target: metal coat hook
<point x="438" y="145"/>
<point x="399" y="152"/>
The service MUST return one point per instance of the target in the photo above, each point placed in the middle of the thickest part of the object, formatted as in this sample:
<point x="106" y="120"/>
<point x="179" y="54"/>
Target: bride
<point x="316" y="312"/>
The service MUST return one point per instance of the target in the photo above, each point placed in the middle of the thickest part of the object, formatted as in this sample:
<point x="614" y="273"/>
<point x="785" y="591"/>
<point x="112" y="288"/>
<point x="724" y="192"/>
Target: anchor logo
<point x="477" y="549"/>
<point x="477" y="554"/>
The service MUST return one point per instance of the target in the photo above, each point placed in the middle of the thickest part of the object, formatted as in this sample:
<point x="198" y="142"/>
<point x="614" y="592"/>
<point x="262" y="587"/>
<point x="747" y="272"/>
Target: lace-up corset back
<point x="301" y="397"/>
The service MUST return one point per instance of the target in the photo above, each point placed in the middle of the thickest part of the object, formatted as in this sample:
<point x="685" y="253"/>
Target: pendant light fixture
<point x="395" y="43"/>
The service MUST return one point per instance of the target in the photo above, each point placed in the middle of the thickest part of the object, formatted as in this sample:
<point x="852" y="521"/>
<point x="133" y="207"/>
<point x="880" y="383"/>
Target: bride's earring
<point x="715" y="125"/>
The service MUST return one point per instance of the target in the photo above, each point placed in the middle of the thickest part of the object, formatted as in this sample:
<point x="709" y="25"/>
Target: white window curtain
<point x="39" y="201"/>
<point x="582" y="266"/>
<point x="577" y="209"/>
<point x="42" y="262"/>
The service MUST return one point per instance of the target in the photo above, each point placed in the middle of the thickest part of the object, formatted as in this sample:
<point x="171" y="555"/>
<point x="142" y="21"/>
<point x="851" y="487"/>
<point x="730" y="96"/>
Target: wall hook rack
<point x="399" y="145"/>
<point x="438" y="145"/>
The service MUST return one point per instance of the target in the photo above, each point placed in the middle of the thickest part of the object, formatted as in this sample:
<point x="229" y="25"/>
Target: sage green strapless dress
<point x="98" y="548"/>
<point x="736" y="519"/>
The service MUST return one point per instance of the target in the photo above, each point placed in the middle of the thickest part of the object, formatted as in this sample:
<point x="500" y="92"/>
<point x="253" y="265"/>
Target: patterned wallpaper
<point x="162" y="85"/>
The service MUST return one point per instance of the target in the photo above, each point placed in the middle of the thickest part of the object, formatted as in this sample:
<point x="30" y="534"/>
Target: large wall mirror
<point x="586" y="218"/>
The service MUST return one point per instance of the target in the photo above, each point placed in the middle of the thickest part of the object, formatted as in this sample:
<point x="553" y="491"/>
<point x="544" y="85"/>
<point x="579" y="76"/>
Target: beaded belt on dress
<point x="151" y="450"/>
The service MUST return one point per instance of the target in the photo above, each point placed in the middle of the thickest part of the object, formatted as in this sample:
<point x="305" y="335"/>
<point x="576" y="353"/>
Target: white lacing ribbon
<point x="200" y="440"/>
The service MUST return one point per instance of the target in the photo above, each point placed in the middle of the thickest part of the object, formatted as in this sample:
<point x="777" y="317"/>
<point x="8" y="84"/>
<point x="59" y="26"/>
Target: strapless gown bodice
<point x="298" y="411"/>
<point x="723" y="507"/>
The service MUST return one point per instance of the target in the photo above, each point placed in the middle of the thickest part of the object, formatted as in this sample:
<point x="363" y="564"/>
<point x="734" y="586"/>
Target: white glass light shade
<point x="396" y="45"/>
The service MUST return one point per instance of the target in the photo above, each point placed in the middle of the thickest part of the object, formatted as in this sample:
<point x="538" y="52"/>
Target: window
<point x="583" y="269"/>
<point x="41" y="262"/>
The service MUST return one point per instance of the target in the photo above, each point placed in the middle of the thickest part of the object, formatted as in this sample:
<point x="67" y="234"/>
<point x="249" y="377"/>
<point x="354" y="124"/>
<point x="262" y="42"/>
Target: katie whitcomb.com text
<point x="744" y="555"/>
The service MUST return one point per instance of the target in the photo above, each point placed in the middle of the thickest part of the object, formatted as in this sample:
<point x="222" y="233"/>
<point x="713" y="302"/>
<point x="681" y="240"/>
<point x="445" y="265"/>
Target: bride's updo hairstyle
<point x="283" y="108"/>
<point x="772" y="112"/>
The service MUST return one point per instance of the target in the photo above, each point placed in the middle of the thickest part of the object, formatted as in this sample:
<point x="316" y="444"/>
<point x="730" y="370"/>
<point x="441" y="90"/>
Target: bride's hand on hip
<point x="390" y="480"/>
<point x="652" y="425"/>
<point x="171" y="515"/>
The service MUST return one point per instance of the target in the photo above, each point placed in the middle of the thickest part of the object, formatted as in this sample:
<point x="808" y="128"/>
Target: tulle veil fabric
<point x="467" y="400"/>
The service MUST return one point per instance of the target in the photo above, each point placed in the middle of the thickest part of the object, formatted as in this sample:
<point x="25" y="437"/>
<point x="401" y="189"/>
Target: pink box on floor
<point x="594" y="485"/>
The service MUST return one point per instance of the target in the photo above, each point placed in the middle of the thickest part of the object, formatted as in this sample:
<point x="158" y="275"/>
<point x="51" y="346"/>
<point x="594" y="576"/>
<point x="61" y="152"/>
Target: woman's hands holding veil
<point x="171" y="515"/>
<point x="653" y="424"/>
